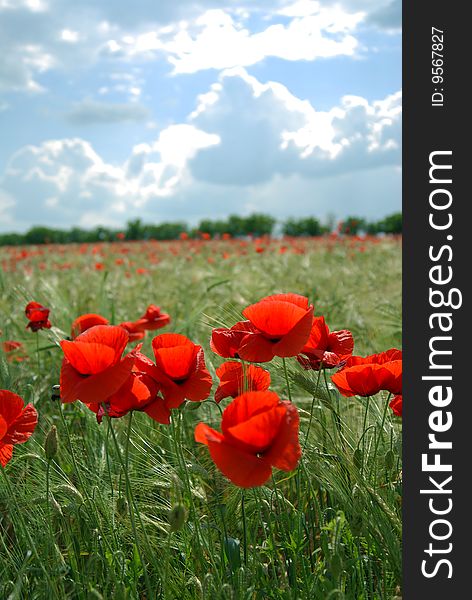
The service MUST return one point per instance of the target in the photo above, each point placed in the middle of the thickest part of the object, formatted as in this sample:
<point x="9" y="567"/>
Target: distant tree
<point x="42" y="235"/>
<point x="353" y="225"/>
<point x="258" y="224"/>
<point x="164" y="231"/>
<point x="309" y="226"/>
<point x="235" y="226"/>
<point x="391" y="224"/>
<point x="134" y="230"/>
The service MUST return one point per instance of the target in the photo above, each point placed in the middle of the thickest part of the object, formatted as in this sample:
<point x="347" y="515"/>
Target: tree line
<point x="234" y="226"/>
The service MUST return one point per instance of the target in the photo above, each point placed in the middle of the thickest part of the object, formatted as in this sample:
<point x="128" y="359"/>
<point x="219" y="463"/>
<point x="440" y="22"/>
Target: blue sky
<point x="171" y="110"/>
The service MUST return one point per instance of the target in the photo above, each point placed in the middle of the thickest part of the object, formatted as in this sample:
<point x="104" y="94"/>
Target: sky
<point x="166" y="110"/>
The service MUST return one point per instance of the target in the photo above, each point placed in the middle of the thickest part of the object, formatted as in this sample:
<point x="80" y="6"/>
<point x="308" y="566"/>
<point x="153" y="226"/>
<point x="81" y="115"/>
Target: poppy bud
<point x="358" y="501"/>
<point x="232" y="551"/>
<point x="177" y="517"/>
<point x="358" y="458"/>
<point x="389" y="459"/>
<point x="336" y="566"/>
<point x="121" y="506"/>
<point x="51" y="442"/>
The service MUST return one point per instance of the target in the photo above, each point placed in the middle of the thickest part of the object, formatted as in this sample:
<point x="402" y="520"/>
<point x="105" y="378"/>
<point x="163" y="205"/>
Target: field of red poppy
<point x="214" y="419"/>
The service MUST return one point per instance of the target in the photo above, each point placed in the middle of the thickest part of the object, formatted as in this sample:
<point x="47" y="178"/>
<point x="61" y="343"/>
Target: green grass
<point x="329" y="530"/>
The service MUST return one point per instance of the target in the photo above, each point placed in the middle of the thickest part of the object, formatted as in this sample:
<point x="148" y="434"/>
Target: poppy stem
<point x="335" y="413"/>
<point x="89" y="498"/>
<point x="289" y="392"/>
<point x="380" y="433"/>
<point x="364" y="424"/>
<point x="19" y="514"/>
<point x="311" y="410"/>
<point x="132" y="506"/>
<point x="243" y="514"/>
<point x="128" y="435"/>
<point x="38" y="359"/>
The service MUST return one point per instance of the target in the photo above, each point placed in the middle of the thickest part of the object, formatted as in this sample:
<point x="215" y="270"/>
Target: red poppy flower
<point x="259" y="432"/>
<point x="236" y="379"/>
<point x="152" y="319"/>
<point x="180" y="369"/>
<point x="379" y="358"/>
<point x="226" y="342"/>
<point x="92" y="369"/>
<point x="38" y="316"/>
<point x="139" y="392"/>
<point x="86" y="321"/>
<point x="15" y="351"/>
<point x="325" y="349"/>
<point x="17" y="423"/>
<point x="133" y="331"/>
<point x="396" y="405"/>
<point x="367" y="376"/>
<point x="277" y="325"/>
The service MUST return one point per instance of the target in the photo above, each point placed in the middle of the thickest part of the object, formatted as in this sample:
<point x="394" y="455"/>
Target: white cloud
<point x="244" y="142"/>
<point x="217" y="39"/>
<point x="68" y="35"/>
<point x="37" y="36"/>
<point x="265" y="130"/>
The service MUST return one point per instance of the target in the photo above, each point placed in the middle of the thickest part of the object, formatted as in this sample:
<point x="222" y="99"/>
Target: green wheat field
<point x="132" y="509"/>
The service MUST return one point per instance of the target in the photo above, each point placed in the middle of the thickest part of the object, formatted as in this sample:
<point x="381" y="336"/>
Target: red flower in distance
<point x="277" y="325"/>
<point x="396" y="404"/>
<point x="93" y="368"/>
<point x="366" y="376"/>
<point x="152" y="319"/>
<point x="15" y="351"/>
<point x="236" y="379"/>
<point x="180" y="369"/>
<point x="17" y="423"/>
<point x="85" y="322"/>
<point x="133" y="331"/>
<point x="258" y="432"/>
<point x="325" y="349"/>
<point x="38" y="316"/>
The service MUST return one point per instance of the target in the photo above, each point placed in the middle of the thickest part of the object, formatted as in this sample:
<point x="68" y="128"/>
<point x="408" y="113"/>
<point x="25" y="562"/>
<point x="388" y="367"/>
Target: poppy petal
<point x="177" y="362"/>
<point x="88" y="358"/>
<point x="3" y="427"/>
<point x="6" y="451"/>
<point x="318" y="339"/>
<point x="198" y="386"/>
<point x="11" y="405"/>
<point x="86" y="321"/>
<point x="109" y="335"/>
<point x="95" y="388"/>
<point x="243" y="469"/>
<point x="397" y="405"/>
<point x="292" y="343"/>
<point x="297" y="299"/>
<point x="257" y="433"/>
<point x="246" y="406"/>
<point x="256" y="348"/>
<point x="158" y="411"/>
<point x="22" y="427"/>
<point x="341" y="343"/>
<point x="170" y="340"/>
<point x="285" y="452"/>
<point x="276" y="318"/>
